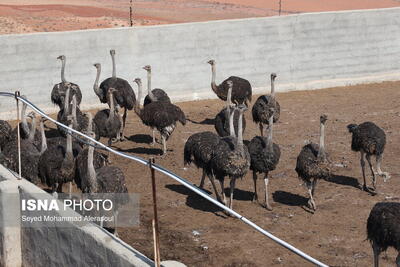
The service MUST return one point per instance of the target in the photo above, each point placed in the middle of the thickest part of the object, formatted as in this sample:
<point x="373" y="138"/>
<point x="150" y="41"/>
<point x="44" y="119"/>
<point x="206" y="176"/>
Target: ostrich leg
<point x="164" y="141"/>
<point x="122" y="137"/>
<point x="203" y="177"/>
<point x="375" y="248"/>
<point x="261" y="129"/>
<point x="311" y="201"/>
<point x="221" y="182"/>
<point x="211" y="177"/>
<point x="368" y="157"/>
<point x="266" y="203"/>
<point x="386" y="175"/>
<point x="255" y="196"/>
<point x="232" y="188"/>
<point x="362" y="162"/>
<point x="154" y="138"/>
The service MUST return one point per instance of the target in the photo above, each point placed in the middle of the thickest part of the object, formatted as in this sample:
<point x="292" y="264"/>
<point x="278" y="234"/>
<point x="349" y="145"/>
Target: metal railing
<point x="177" y="178"/>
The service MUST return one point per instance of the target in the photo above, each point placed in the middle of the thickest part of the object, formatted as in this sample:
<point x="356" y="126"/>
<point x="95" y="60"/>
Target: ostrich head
<point x="112" y="52"/>
<point x="242" y="108"/>
<point x="62" y="57"/>
<point x="147" y="67"/>
<point x="211" y="62"/>
<point x="31" y="115"/>
<point x="229" y="83"/>
<point x="97" y="65"/>
<point x="323" y="118"/>
<point x="273" y="76"/>
<point x="138" y="81"/>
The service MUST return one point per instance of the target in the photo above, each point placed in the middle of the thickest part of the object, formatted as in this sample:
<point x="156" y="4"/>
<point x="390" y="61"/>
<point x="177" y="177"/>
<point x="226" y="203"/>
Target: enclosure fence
<point x="172" y="175"/>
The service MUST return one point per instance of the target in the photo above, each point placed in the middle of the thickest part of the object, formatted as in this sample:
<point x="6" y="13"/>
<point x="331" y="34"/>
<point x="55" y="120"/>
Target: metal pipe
<point x="183" y="182"/>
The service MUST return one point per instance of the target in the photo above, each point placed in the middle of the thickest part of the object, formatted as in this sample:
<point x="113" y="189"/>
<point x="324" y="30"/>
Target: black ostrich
<point x="383" y="229"/>
<point x="58" y="94"/>
<point x="57" y="164"/>
<point x="231" y="158"/>
<point x="99" y="160"/>
<point x="159" y="115"/>
<point x="5" y="133"/>
<point x="107" y="120"/>
<point x="264" y="155"/>
<point x="124" y="95"/>
<point x="199" y="149"/>
<point x="312" y="163"/>
<point x="106" y="179"/>
<point x="369" y="139"/>
<point x="241" y="92"/>
<point x="30" y="153"/>
<point x="261" y="109"/>
<point x="156" y="94"/>
<point x="221" y="121"/>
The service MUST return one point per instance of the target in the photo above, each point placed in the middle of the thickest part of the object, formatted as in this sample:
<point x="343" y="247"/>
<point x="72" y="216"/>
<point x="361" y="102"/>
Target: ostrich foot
<point x="311" y="204"/>
<point x="255" y="198"/>
<point x="369" y="190"/>
<point x="386" y="176"/>
<point x="267" y="206"/>
<point x="122" y="138"/>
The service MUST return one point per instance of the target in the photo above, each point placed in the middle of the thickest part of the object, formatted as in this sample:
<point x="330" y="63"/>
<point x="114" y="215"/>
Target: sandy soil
<point x="22" y="16"/>
<point x="335" y="234"/>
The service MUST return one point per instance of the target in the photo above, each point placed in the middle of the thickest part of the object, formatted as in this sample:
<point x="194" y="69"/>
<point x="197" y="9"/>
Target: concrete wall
<point x="307" y="51"/>
<point x="75" y="245"/>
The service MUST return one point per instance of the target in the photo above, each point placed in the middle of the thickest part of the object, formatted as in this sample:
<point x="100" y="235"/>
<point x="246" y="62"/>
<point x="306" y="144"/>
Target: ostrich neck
<point x="114" y="71"/>
<point x="213" y="84"/>
<point x="74" y="109"/>
<point x="25" y="127"/>
<point x="112" y="108"/>
<point x="66" y="101"/>
<point x="240" y="133"/>
<point x="150" y="93"/>
<point x="229" y="114"/>
<point x="137" y="106"/>
<point x="269" y="138"/>
<point x="273" y="87"/>
<point x="32" y="131"/>
<point x="69" y="143"/>
<point x="96" y="82"/>
<point x="321" y="150"/>
<point x="44" y="141"/>
<point x="92" y="181"/>
<point x="63" y="71"/>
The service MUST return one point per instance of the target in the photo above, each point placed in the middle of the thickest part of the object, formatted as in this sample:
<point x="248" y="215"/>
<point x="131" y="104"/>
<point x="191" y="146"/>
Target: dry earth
<point x="335" y="234"/>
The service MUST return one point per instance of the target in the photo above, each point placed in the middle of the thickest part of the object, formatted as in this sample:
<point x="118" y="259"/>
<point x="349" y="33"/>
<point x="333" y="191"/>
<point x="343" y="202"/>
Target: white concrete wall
<point x="307" y="51"/>
<point x="75" y="245"/>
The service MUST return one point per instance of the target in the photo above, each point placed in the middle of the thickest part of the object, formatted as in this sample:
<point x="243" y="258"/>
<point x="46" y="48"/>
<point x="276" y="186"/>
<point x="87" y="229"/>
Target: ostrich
<point x="383" y="229"/>
<point x="23" y="125"/>
<point x="106" y="179"/>
<point x="154" y="95"/>
<point x="369" y="139"/>
<point x="58" y="94"/>
<point x="231" y="158"/>
<point x="221" y="121"/>
<point x="29" y="154"/>
<point x="160" y="115"/>
<point x="261" y="109"/>
<point x="241" y="92"/>
<point x="124" y="94"/>
<point x="264" y="155"/>
<point x="108" y="123"/>
<point x="57" y="164"/>
<point x="99" y="160"/>
<point x="312" y="163"/>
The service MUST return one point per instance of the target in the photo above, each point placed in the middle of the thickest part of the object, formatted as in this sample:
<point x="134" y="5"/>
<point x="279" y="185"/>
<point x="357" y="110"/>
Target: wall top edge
<point x="206" y="22"/>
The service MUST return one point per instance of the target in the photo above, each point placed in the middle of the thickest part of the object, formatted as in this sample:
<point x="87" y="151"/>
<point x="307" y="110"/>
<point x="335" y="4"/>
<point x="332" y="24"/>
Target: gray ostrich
<point x="154" y="95"/>
<point x="58" y="94"/>
<point x="159" y="115"/>
<point x="221" y="120"/>
<point x="99" y="160"/>
<point x="264" y="155"/>
<point x="5" y="133"/>
<point x="107" y="120"/>
<point x="124" y="95"/>
<point x="369" y="140"/>
<point x="106" y="179"/>
<point x="261" y="109"/>
<point x="231" y="158"/>
<point x="312" y="163"/>
<point x="30" y="154"/>
<point x="241" y="92"/>
<point x="57" y="165"/>
<point x="383" y="229"/>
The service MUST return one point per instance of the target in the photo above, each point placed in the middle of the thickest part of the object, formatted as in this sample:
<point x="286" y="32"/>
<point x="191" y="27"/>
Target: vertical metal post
<point x="130" y="13"/>
<point x="17" y="94"/>
<point x="156" y="235"/>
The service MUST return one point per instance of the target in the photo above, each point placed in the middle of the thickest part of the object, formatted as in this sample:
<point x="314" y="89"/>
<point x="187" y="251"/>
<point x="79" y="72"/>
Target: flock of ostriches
<point x="59" y="160"/>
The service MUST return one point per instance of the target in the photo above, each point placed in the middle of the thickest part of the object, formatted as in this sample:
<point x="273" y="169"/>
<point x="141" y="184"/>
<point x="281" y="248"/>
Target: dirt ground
<point x="335" y="234"/>
<point x="25" y="16"/>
